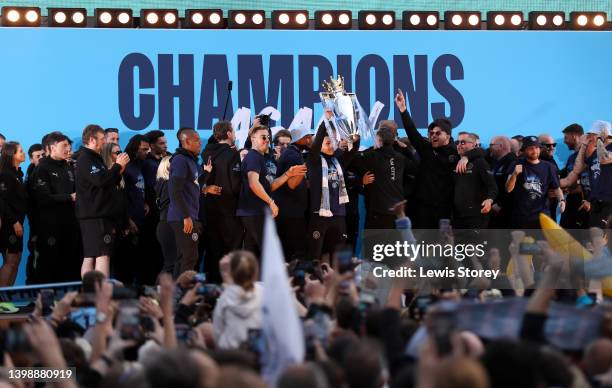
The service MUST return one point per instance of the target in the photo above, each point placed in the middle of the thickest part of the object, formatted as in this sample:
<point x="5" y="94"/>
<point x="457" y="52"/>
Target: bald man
<point x="548" y="148"/>
<point x="184" y="192"/>
<point x="500" y="149"/>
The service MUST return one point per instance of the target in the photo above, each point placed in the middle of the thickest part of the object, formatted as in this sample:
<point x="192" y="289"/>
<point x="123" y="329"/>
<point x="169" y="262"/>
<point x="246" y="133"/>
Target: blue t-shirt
<point x="250" y="204"/>
<point x="291" y="203"/>
<point x="531" y="188"/>
<point x="600" y="177"/>
<point x="184" y="167"/>
<point x="135" y="188"/>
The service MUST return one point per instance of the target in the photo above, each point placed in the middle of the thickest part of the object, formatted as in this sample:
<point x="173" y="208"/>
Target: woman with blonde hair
<point x="165" y="236"/>
<point x="238" y="309"/>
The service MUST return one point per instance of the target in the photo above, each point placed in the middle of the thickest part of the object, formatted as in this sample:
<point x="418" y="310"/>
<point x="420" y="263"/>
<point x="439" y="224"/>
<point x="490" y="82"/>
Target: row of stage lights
<point x="324" y="20"/>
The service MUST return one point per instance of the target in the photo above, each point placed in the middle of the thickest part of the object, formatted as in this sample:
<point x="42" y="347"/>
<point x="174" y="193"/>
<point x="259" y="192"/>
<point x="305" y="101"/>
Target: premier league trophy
<point x="349" y="117"/>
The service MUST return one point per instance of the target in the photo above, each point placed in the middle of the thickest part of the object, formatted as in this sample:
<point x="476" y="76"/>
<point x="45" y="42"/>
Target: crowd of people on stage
<point x="136" y="212"/>
<point x="146" y="217"/>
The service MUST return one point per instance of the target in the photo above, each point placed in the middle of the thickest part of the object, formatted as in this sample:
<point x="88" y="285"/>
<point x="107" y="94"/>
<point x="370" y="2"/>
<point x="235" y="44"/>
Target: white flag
<point x="281" y="325"/>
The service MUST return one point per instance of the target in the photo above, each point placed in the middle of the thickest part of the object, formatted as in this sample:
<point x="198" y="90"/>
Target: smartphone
<point x="255" y="342"/>
<point x="47" y="297"/>
<point x="199" y="278"/>
<point x="183" y="332"/>
<point x="529" y="249"/>
<point x="442" y="327"/>
<point x="128" y="322"/>
<point x="344" y="260"/>
<point x="299" y="278"/>
<point x="445" y="225"/>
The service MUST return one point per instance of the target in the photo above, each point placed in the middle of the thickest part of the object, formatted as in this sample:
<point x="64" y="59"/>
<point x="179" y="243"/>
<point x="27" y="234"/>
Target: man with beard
<point x="500" y="150"/>
<point x="95" y="184"/>
<point x="530" y="181"/>
<point x="58" y="239"/>
<point x="475" y="189"/>
<point x="433" y="196"/>
<point x="292" y="198"/>
<point x="222" y="190"/>
<point x="548" y="154"/>
<point x="574" y="217"/>
<point x="595" y="156"/>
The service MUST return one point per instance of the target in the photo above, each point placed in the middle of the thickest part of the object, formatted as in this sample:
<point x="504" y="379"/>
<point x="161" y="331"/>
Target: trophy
<point x="349" y="117"/>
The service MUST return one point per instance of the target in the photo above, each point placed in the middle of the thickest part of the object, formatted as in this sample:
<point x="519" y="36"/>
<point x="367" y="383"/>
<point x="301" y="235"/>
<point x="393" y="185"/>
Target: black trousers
<point x="224" y="233"/>
<point x="186" y="247"/>
<point x="253" y="233"/>
<point x="292" y="233"/>
<point x="380" y="221"/>
<point x="324" y="235"/>
<point x="600" y="214"/>
<point x="572" y="218"/>
<point x="426" y="216"/>
<point x="58" y="253"/>
<point x="165" y="236"/>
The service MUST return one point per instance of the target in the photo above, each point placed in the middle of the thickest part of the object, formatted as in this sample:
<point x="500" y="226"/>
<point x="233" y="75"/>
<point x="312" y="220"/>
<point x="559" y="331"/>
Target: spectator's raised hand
<point x="185" y="280"/>
<point x="150" y="307"/>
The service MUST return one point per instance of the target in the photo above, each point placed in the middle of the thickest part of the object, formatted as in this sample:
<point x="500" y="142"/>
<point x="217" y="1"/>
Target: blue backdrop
<point x="136" y="80"/>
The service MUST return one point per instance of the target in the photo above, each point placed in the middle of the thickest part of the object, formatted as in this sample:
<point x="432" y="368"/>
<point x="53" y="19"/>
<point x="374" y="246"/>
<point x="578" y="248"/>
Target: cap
<point x="300" y="132"/>
<point x="600" y="128"/>
<point x="529" y="141"/>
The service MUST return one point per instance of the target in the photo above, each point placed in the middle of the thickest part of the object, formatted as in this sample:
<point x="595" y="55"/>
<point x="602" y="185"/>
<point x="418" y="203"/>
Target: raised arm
<point x="418" y="142"/>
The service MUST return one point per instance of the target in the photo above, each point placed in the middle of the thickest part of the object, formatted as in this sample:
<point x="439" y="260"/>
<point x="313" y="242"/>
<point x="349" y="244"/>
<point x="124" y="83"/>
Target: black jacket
<point x="54" y="184"/>
<point x="226" y="174"/>
<point x="13" y="193"/>
<point x="435" y="177"/>
<point x="390" y="172"/>
<point x="313" y="164"/>
<point x="96" y="185"/>
<point x="500" y="174"/>
<point x="472" y="188"/>
<point x="163" y="198"/>
<point x="31" y="182"/>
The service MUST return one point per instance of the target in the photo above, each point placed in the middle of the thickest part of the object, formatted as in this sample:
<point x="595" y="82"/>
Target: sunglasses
<point x="462" y="142"/>
<point x="435" y="133"/>
<point x="265" y="137"/>
<point x="493" y="144"/>
<point x="551" y="145"/>
<point x="117" y="152"/>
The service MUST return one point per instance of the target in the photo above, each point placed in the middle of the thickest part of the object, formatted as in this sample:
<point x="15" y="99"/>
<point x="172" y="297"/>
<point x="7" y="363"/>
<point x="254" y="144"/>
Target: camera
<point x="264" y="119"/>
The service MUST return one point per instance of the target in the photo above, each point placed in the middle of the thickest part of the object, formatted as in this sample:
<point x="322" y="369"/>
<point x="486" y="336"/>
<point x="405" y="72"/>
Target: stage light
<point x="114" y="18"/>
<point x="420" y="20"/>
<point x="159" y="18"/>
<point x="290" y="20"/>
<point x="462" y="20"/>
<point x="546" y="20"/>
<point x="588" y="20"/>
<point x="504" y="20"/>
<point x="204" y="19"/>
<point x="21" y="16"/>
<point x="376" y="20"/>
<point x="66" y="17"/>
<point x="333" y="20"/>
<point x="247" y="19"/>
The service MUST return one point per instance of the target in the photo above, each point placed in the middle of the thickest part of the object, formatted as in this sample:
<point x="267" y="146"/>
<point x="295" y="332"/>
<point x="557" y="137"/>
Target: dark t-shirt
<point x="531" y="188"/>
<point x="600" y="177"/>
<point x="291" y="203"/>
<point x="250" y="204"/>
